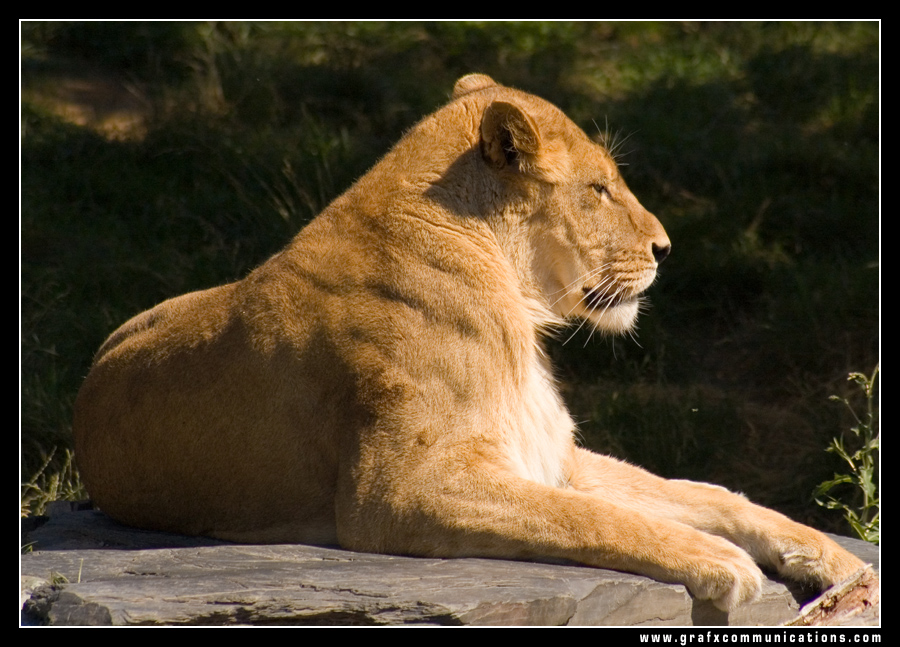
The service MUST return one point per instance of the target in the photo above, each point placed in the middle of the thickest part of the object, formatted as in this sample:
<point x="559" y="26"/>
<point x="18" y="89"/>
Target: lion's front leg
<point x="790" y="548"/>
<point x="477" y="508"/>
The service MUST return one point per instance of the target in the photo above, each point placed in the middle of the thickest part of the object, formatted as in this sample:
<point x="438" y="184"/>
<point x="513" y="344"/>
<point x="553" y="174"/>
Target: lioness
<point x="380" y="383"/>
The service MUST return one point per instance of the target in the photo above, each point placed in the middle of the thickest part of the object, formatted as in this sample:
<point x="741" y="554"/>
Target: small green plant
<point x="863" y="513"/>
<point x="48" y="485"/>
<point x="57" y="579"/>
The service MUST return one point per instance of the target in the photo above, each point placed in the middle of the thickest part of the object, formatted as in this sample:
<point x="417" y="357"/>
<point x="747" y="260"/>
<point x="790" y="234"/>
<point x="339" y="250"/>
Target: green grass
<point x="755" y="143"/>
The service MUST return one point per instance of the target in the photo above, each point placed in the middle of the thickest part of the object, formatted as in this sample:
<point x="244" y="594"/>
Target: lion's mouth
<point x="602" y="298"/>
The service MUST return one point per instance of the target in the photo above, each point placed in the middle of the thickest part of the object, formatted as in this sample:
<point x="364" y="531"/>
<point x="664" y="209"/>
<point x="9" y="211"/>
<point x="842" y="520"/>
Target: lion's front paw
<point x="817" y="559"/>
<point x="730" y="578"/>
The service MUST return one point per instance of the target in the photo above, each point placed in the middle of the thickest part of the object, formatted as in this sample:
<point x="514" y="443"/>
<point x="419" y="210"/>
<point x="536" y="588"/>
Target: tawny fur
<point x="380" y="383"/>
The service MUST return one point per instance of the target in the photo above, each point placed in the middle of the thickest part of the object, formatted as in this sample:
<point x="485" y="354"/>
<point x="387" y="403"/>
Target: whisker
<point x="592" y="309"/>
<point x="580" y="280"/>
<point x="591" y="301"/>
<point x="586" y="277"/>
<point x="613" y="142"/>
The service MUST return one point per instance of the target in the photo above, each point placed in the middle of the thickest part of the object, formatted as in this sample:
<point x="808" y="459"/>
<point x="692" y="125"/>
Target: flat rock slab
<point x="85" y="569"/>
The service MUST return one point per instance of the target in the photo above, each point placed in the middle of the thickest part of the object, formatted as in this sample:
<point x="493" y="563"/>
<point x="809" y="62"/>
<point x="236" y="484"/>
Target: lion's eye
<point x="600" y="190"/>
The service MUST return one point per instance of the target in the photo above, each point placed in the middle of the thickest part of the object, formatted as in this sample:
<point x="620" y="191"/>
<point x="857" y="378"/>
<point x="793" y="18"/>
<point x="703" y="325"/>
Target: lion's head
<point x="576" y="233"/>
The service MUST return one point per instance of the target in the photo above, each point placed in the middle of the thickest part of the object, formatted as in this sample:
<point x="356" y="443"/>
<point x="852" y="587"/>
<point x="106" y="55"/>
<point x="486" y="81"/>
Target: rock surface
<point x="85" y="569"/>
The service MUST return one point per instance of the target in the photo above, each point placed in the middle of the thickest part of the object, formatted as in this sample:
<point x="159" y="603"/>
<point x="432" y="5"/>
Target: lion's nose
<point x="660" y="252"/>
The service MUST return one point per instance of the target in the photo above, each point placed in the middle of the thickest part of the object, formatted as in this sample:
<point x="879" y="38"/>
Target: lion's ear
<point x="471" y="83"/>
<point x="509" y="137"/>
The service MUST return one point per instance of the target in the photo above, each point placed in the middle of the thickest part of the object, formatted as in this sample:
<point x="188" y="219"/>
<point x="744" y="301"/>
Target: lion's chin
<point x="617" y="318"/>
